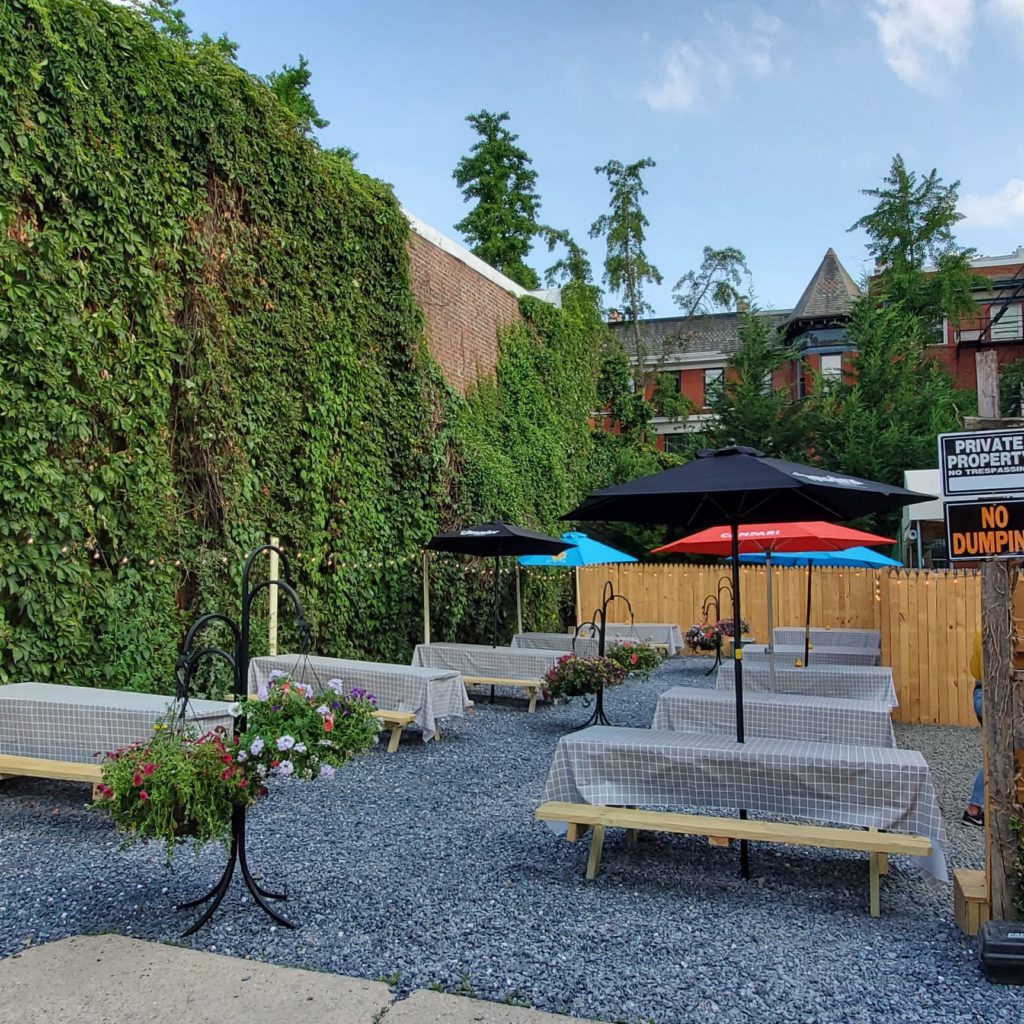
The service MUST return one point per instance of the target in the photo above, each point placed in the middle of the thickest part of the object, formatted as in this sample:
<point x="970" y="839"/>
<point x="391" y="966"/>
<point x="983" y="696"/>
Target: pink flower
<point x="143" y="795"/>
<point x="137" y="778"/>
<point x="147" y="769"/>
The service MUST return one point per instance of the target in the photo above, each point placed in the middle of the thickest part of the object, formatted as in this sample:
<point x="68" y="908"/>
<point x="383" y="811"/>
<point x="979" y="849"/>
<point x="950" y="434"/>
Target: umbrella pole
<point x="519" y="603"/>
<point x="737" y="662"/>
<point x="576" y="583"/>
<point x="497" y="590"/>
<point x="807" y="625"/>
<point x="771" y="623"/>
<point x="426" y="598"/>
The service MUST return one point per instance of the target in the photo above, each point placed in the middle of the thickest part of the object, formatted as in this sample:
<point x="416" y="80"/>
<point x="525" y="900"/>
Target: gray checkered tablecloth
<point x="783" y="715"/>
<point x="430" y="693"/>
<point x="487" y="662"/>
<point x="819" y="655"/>
<point x="876" y="787"/>
<point x="850" y="682"/>
<point x="74" y="723"/>
<point x="584" y="646"/>
<point x="663" y="634"/>
<point x="794" y="636"/>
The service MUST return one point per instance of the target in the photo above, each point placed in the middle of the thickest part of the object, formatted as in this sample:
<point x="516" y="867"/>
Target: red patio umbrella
<point x="766" y="538"/>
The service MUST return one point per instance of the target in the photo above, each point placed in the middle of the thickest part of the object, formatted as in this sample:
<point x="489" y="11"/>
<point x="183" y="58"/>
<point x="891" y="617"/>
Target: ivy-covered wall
<point x="207" y="335"/>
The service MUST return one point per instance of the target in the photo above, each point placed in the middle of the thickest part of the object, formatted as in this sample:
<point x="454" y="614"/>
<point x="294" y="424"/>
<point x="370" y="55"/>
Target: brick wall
<point x="464" y="311"/>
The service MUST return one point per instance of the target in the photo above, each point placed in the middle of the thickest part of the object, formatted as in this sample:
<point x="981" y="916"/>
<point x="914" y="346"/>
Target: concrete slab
<point x="425" y="1007"/>
<point x="109" y="979"/>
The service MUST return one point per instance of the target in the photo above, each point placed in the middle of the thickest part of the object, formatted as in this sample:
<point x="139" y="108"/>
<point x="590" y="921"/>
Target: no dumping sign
<point x="982" y="462"/>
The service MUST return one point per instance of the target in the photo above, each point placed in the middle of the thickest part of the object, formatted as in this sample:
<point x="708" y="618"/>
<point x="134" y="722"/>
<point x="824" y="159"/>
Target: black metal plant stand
<point x="599" y="623"/>
<point x="190" y="658"/>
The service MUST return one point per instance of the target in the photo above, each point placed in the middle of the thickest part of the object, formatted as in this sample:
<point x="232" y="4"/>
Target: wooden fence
<point x="927" y="619"/>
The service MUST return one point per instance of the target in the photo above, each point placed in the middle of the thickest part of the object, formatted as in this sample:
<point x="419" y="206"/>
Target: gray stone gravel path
<point x="425" y="868"/>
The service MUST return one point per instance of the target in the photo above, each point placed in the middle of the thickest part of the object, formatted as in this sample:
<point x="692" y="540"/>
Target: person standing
<point x="974" y="812"/>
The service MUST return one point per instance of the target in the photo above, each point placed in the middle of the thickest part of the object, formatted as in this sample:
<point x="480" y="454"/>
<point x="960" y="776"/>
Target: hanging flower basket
<point x="184" y="785"/>
<point x="573" y="676"/>
<point x="703" y="637"/>
<point x="635" y="658"/>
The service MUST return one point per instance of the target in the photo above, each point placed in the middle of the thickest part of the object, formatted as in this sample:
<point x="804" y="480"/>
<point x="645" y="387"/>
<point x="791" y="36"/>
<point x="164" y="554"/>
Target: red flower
<point x="137" y="778"/>
<point x="226" y="774"/>
<point x="227" y="759"/>
<point x="328" y="723"/>
<point x="274" y="764"/>
<point x="143" y="795"/>
<point x="262" y="791"/>
<point x="147" y="769"/>
<point x="243" y="783"/>
<point x="633" y="659"/>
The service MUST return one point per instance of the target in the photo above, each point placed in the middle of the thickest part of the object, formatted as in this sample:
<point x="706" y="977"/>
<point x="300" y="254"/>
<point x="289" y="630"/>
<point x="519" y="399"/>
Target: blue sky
<point x="765" y="120"/>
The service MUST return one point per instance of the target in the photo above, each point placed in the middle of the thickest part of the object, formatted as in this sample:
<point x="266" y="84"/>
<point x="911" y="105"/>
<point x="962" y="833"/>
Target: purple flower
<point x="285" y="743"/>
<point x="323" y="710"/>
<point x="263" y="691"/>
<point x="327" y="772"/>
<point x="306" y="689"/>
<point x="357" y="692"/>
<point x="285" y="768"/>
<point x="257" y="747"/>
<point x="242" y="756"/>
<point x="335" y="685"/>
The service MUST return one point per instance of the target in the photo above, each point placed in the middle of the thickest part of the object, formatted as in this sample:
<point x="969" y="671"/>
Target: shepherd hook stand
<point x="239" y="662"/>
<point x="599" y="622"/>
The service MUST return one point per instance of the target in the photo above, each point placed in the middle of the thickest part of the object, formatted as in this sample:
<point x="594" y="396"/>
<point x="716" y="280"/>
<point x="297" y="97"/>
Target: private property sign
<point x="984" y="529"/>
<point x="982" y="462"/>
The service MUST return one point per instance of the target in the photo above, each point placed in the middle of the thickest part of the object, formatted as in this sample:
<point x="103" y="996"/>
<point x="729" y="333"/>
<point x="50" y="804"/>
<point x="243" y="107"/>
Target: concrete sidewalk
<point x="110" y="979"/>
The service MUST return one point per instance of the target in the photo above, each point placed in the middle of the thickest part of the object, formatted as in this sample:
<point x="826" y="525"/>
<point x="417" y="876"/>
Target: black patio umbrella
<point x="734" y="486"/>
<point x="495" y="539"/>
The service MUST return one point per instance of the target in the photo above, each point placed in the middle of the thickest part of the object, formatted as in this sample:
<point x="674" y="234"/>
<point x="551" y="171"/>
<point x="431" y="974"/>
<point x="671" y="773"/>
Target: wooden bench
<point x="720" y="831"/>
<point x="12" y="765"/>
<point x="396" y="721"/>
<point x="532" y="686"/>
<point x="971" y="906"/>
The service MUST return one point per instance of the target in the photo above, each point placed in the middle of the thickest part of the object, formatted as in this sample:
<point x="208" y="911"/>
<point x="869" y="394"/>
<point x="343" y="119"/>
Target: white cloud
<point x="922" y="39"/>
<point x="694" y="72"/>
<point x="997" y="209"/>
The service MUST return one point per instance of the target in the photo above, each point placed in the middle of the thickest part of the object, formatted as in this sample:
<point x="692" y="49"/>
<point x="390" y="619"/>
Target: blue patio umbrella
<point x="586" y="551"/>
<point x="856" y="557"/>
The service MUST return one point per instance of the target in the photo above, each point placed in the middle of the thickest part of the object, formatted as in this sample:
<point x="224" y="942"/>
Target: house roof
<point x="675" y="335"/>
<point x="831" y="292"/>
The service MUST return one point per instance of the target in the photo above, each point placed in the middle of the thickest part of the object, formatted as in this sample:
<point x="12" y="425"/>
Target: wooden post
<point x="275" y="573"/>
<point x="1002" y="711"/>
<point x="519" y="602"/>
<point x="576" y="582"/>
<point x="426" y="597"/>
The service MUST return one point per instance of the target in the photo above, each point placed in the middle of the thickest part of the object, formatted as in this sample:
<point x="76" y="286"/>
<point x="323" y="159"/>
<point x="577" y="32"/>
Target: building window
<point x="767" y="384"/>
<point x="713" y="378"/>
<point x="1008" y="326"/>
<point x="677" y="444"/>
<point x="832" y="366"/>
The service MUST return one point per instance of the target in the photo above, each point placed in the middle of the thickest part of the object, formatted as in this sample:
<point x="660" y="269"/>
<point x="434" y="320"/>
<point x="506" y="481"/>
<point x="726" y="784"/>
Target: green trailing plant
<point x="209" y="337"/>
<point x="573" y="676"/>
<point x="635" y="658"/>
<point x="178" y="784"/>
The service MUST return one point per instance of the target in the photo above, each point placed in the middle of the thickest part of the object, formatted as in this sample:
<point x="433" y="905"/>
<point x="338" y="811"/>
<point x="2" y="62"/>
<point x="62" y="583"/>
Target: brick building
<point x="695" y="350"/>
<point x="466" y="303"/>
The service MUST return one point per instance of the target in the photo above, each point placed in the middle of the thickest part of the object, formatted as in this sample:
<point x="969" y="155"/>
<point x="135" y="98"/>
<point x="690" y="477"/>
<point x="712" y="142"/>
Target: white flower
<point x="257" y="747"/>
<point x="327" y="772"/>
<point x="336" y="685"/>
<point x="285" y="742"/>
<point x="300" y="748"/>
<point x="285" y="768"/>
<point x="242" y="756"/>
<point x="323" y="710"/>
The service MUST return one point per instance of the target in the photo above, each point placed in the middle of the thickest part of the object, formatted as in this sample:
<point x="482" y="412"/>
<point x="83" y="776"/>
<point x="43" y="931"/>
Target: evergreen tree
<point x="498" y="175"/>
<point x="626" y="267"/>
<point x="749" y="408"/>
<point x="911" y="228"/>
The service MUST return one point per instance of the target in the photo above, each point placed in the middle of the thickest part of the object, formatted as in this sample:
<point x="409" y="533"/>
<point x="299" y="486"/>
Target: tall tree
<point x="715" y="285"/>
<point x="291" y="86"/>
<point x="626" y="267"/>
<point x="749" y="408"/>
<point x="498" y="175"/>
<point x="574" y="266"/>
<point x="883" y="417"/>
<point x="911" y="228"/>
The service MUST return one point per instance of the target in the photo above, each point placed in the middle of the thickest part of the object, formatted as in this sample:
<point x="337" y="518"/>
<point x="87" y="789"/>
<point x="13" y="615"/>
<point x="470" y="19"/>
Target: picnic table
<point x="793" y="636"/>
<point x="479" y="664"/>
<point x="783" y="715"/>
<point x="584" y="646"/>
<point x="818" y="655"/>
<point x="430" y="694"/>
<point x="657" y="634"/>
<point x="55" y="731"/>
<point x="851" y="682"/>
<point x="858" y="786"/>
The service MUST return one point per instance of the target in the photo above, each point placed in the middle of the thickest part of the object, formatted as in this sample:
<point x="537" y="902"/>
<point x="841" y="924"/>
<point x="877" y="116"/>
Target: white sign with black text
<point x="982" y="462"/>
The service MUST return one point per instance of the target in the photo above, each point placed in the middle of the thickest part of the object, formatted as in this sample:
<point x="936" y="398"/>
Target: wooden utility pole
<point x="1002" y="705"/>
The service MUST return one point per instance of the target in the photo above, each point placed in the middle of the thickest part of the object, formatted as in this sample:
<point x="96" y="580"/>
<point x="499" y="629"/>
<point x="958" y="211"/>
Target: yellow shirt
<point x="976" y="666"/>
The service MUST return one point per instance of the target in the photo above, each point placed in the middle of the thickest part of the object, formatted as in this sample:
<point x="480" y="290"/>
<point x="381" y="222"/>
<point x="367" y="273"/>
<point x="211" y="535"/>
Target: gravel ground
<point x="426" y="868"/>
